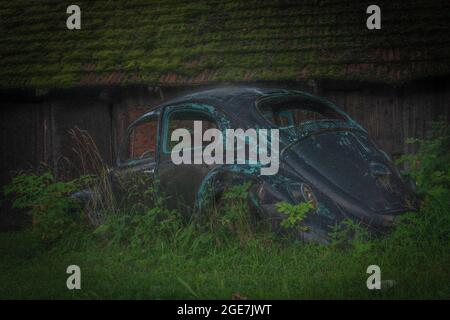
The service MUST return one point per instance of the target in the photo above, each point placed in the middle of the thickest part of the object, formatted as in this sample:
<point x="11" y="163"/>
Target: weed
<point x="153" y="253"/>
<point x="232" y="217"/>
<point x="48" y="201"/>
<point x="101" y="200"/>
<point x="295" y="214"/>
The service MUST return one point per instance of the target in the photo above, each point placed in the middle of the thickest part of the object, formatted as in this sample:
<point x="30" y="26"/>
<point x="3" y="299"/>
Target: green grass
<point x="150" y="254"/>
<point x="259" y="269"/>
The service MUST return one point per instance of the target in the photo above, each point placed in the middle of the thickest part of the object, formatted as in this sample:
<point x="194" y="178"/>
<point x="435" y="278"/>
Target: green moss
<point x="240" y="40"/>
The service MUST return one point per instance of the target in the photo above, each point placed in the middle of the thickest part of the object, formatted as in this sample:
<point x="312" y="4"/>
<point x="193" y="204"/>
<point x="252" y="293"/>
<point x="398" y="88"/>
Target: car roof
<point x="237" y="102"/>
<point x="231" y="98"/>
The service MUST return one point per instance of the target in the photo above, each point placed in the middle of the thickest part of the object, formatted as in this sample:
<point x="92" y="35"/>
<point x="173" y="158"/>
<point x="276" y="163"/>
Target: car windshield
<point x="299" y="115"/>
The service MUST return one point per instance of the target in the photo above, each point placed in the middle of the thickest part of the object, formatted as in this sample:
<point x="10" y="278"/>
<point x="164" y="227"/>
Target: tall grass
<point x="100" y="200"/>
<point x="145" y="250"/>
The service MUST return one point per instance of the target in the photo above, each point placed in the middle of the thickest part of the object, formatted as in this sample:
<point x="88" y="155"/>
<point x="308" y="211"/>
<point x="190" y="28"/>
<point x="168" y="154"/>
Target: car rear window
<point x="293" y="111"/>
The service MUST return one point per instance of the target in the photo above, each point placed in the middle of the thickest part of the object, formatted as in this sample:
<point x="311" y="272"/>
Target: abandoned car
<point x="325" y="158"/>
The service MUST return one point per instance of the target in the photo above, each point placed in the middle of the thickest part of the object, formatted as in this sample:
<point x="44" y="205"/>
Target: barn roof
<point x="195" y="42"/>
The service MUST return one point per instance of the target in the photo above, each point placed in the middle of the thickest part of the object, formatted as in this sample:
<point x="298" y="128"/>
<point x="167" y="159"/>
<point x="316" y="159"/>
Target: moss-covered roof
<point x="187" y="41"/>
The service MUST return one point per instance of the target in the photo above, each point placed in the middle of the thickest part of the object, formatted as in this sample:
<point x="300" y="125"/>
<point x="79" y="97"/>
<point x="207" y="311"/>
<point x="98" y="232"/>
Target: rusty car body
<point x="326" y="158"/>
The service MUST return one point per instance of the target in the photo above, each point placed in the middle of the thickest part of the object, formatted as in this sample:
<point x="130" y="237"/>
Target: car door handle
<point x="149" y="171"/>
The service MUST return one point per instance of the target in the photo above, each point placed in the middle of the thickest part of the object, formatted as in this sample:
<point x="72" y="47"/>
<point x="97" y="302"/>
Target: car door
<point x="181" y="182"/>
<point x="134" y="178"/>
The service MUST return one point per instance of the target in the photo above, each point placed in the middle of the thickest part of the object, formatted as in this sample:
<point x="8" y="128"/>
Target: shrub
<point x="350" y="235"/>
<point x="295" y="214"/>
<point x="48" y="201"/>
<point x="429" y="167"/>
<point x="143" y="224"/>
<point x="232" y="218"/>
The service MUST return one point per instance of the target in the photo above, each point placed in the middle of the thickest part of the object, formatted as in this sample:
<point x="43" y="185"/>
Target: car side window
<point x="141" y="143"/>
<point x="184" y="119"/>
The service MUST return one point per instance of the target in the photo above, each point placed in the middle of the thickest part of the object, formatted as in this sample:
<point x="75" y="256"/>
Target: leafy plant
<point x="144" y="224"/>
<point x="295" y="214"/>
<point x="350" y="234"/>
<point x="429" y="167"/>
<point x="48" y="201"/>
<point x="233" y="215"/>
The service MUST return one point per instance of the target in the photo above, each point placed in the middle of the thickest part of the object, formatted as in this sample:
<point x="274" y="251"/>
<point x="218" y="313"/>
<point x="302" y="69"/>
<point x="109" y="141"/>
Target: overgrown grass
<point x="257" y="269"/>
<point x="150" y="252"/>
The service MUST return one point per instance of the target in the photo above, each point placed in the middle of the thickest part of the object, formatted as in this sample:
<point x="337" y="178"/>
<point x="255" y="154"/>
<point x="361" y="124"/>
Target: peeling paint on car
<point x="349" y="176"/>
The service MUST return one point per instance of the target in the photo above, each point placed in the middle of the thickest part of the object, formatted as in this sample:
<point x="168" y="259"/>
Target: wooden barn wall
<point x="24" y="144"/>
<point x="36" y="132"/>
<point x="85" y="113"/>
<point x="391" y="115"/>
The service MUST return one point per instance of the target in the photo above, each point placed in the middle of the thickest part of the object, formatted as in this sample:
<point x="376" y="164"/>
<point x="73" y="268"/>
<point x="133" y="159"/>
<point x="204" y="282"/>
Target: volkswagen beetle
<point x="325" y="158"/>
